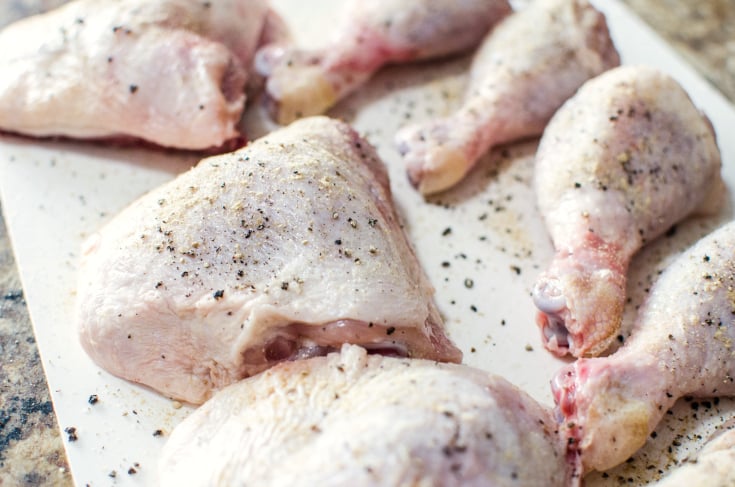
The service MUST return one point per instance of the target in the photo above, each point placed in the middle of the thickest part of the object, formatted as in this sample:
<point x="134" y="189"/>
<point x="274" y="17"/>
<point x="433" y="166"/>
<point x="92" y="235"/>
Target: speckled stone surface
<point x="703" y="32"/>
<point x="31" y="448"/>
<point x="31" y="451"/>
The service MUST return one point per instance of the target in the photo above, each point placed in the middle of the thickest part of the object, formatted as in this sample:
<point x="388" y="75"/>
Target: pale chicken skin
<point x="621" y="162"/>
<point x="285" y="249"/>
<point x="681" y="345"/>
<point x="525" y="69"/>
<point x="370" y="34"/>
<point x="364" y="420"/>
<point x="170" y="72"/>
<point x="714" y="466"/>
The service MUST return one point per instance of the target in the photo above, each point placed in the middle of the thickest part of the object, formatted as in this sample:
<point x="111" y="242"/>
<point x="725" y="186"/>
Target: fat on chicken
<point x="622" y="161"/>
<point x="371" y="33"/>
<point x="681" y="345"/>
<point x="171" y="72"/>
<point x="525" y="69"/>
<point x="364" y="420"/>
<point x="285" y="249"/>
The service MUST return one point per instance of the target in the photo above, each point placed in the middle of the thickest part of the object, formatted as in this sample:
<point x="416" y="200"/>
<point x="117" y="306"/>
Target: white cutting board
<point x="487" y="229"/>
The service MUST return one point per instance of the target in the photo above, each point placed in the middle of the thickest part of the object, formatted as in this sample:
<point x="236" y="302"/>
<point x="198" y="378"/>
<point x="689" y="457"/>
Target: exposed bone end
<point x="295" y="91"/>
<point x="549" y="299"/>
<point x="616" y="427"/>
<point x="434" y="155"/>
<point x="581" y="305"/>
<point x="440" y="169"/>
<point x="602" y="423"/>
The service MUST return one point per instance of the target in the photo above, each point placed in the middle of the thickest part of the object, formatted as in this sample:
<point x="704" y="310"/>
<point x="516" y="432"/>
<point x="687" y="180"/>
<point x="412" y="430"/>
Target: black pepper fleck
<point x="71" y="433"/>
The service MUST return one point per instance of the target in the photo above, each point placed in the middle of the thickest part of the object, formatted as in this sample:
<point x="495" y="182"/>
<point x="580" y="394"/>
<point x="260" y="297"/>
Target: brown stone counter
<point x="31" y="449"/>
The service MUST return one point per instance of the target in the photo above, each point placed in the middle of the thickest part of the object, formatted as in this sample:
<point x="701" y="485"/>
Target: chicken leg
<point x="372" y="33"/>
<point x="681" y="344"/>
<point x="526" y="68"/>
<point x="355" y="419"/>
<point x="622" y="161"/>
<point x="285" y="249"/>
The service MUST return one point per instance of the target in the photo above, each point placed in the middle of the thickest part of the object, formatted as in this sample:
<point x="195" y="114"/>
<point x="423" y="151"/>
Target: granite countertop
<point x="31" y="448"/>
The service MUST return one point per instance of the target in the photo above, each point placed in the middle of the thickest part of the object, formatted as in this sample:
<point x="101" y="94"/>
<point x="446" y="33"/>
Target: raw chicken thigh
<point x="366" y="420"/>
<point x="713" y="467"/>
<point x="171" y="72"/>
<point x="371" y="34"/>
<point x="622" y="161"/>
<point x="285" y="249"/>
<point x="682" y="344"/>
<point x="526" y="68"/>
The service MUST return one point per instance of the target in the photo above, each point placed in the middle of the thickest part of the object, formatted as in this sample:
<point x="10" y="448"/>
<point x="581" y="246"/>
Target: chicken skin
<point x="302" y="83"/>
<point x="364" y="420"/>
<point x="285" y="249"/>
<point x="713" y="467"/>
<point x="170" y="72"/>
<point x="622" y="161"/>
<point x="681" y="344"/>
<point x="525" y="69"/>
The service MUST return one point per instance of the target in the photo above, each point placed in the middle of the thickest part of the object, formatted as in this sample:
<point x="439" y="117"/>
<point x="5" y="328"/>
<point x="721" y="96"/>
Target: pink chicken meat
<point x="682" y="344"/>
<point x="363" y="420"/>
<point x="525" y="69"/>
<point x="621" y="162"/>
<point x="171" y="72"/>
<point x="285" y="249"/>
<point x="371" y="34"/>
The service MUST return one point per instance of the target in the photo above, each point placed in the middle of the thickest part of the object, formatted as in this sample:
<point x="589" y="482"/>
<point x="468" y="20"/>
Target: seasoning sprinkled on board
<point x="71" y="433"/>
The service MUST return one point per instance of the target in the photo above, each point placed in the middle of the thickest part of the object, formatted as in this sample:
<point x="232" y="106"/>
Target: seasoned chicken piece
<point x="622" y="161"/>
<point x="526" y="68"/>
<point x="363" y="420"/>
<point x="171" y="72"/>
<point x="713" y="467"/>
<point x="371" y="34"/>
<point x="682" y="344"/>
<point x="285" y="249"/>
